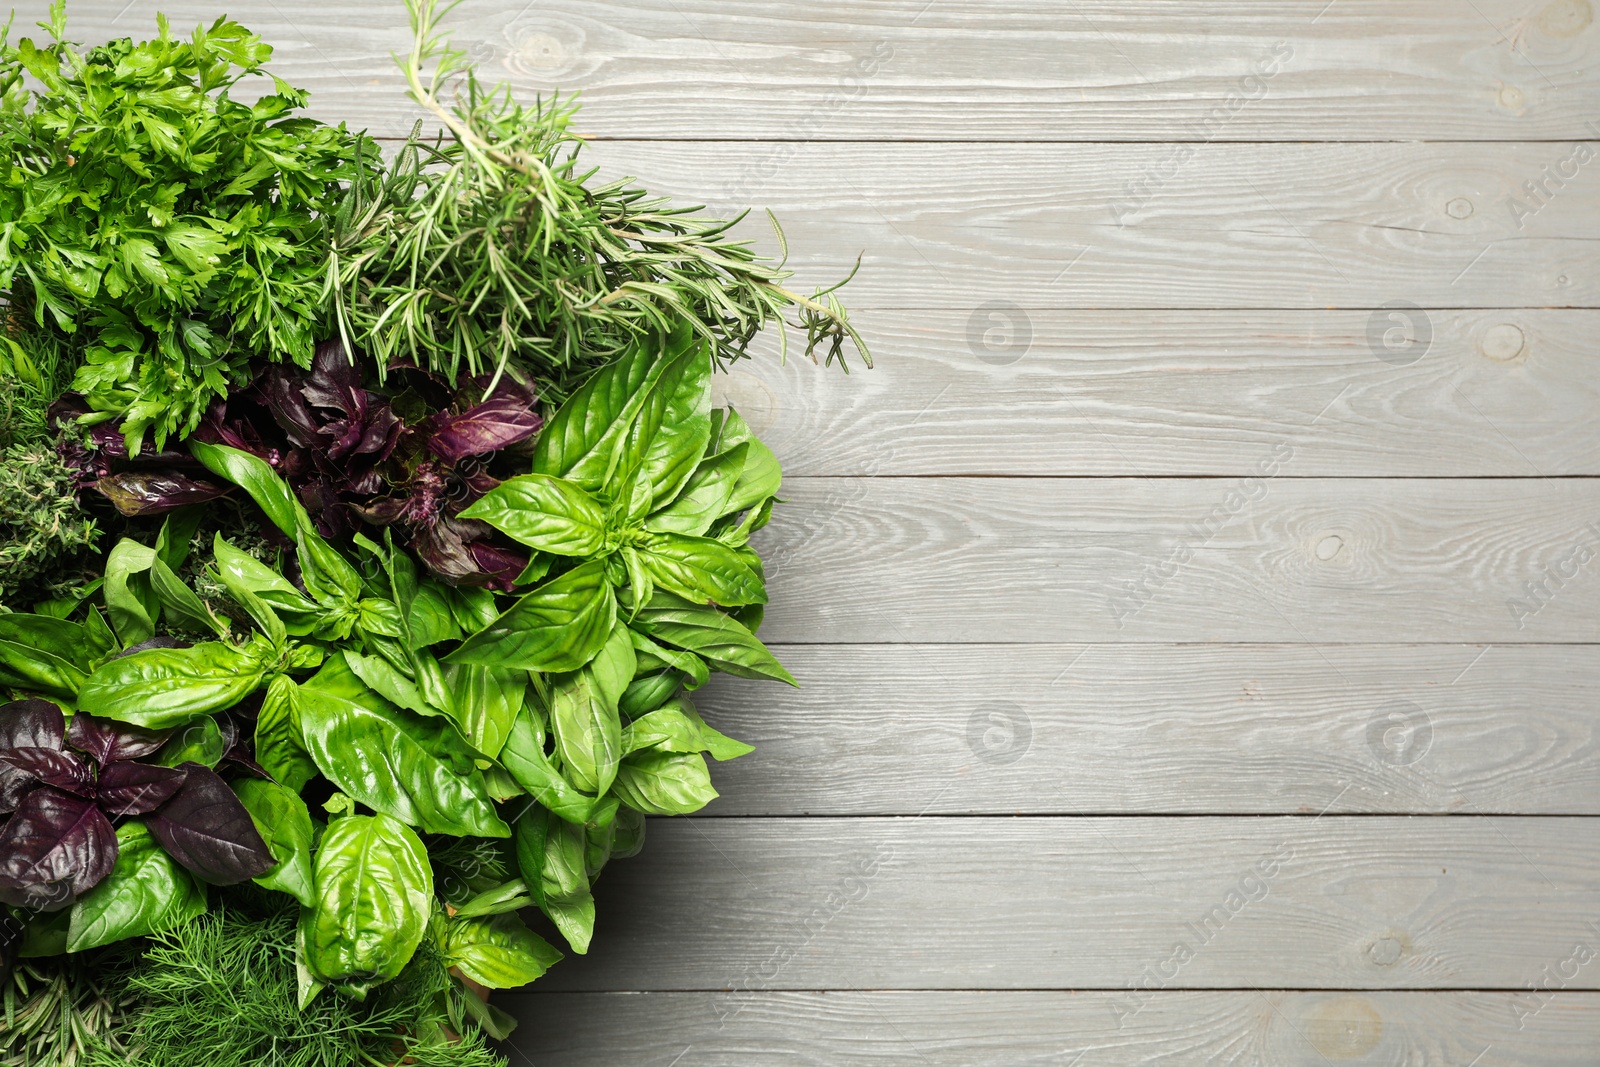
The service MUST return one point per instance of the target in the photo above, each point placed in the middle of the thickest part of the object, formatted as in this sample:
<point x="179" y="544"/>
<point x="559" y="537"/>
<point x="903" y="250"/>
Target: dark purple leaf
<point x="55" y="848"/>
<point x="206" y="829"/>
<point x="108" y="741"/>
<point x="500" y="565"/>
<point x="140" y="493"/>
<point x="14" y="785"/>
<point x="53" y="767"/>
<point x="32" y="724"/>
<point x="128" y="788"/>
<point x="509" y="415"/>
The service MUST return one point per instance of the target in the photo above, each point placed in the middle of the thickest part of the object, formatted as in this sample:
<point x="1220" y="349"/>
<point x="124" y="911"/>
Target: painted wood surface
<point x="1033" y="70"/>
<point x="1265" y="558"/>
<point x="1055" y="1029"/>
<point x="1001" y="902"/>
<point x="1003" y="390"/>
<point x="1097" y="728"/>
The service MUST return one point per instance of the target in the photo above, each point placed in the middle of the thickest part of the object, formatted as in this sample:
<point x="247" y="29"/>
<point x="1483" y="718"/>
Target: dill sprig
<point x="487" y="250"/>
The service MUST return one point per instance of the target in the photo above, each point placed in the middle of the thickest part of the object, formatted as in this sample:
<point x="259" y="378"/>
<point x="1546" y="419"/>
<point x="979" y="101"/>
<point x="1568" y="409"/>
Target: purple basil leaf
<point x="14" y="785"/>
<point x="286" y="400"/>
<point x="140" y="493"/>
<point x="206" y="829"/>
<point x="508" y="416"/>
<point x="108" y="741"/>
<point x="52" y="767"/>
<point x="32" y="724"/>
<point x="128" y="788"/>
<point x="55" y="848"/>
<point x="500" y="565"/>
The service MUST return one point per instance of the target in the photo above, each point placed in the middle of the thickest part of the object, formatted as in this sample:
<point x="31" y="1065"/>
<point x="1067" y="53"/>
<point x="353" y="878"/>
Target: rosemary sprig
<point x="487" y="250"/>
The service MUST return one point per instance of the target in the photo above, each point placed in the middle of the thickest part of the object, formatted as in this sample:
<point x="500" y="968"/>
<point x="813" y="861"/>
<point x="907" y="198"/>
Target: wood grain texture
<point x="1004" y="391"/>
<point x="969" y="729"/>
<point x="1103" y="903"/>
<point x="1269" y="558"/>
<point x="1042" y="1029"/>
<point x="1020" y="70"/>
<point x="1157" y="226"/>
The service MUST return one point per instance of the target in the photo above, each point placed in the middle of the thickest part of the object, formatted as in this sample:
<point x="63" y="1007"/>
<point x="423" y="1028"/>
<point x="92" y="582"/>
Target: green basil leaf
<point x="374" y="894"/>
<point x="557" y="627"/>
<point x="583" y="440"/>
<point x="704" y="498"/>
<point x="498" y="952"/>
<point x="664" y="783"/>
<point x="385" y="758"/>
<point x="681" y="429"/>
<point x="429" y="619"/>
<point x="44" y="654"/>
<point x="257" y="478"/>
<point x="552" y="856"/>
<point x="721" y="641"/>
<point x="651" y="656"/>
<point x="279" y="749"/>
<point x="285" y="825"/>
<point x="497" y="900"/>
<point x="544" y="513"/>
<point x="145" y="892"/>
<point x="162" y="687"/>
<point x="473" y="608"/>
<point x="269" y="598"/>
<point x="627" y="834"/>
<point x="380" y="676"/>
<point x="178" y="599"/>
<point x="669" y="729"/>
<point x="524" y="758"/>
<point x="702" y="569"/>
<point x="200" y="742"/>
<point x="584" y="717"/>
<point x="648" y="692"/>
<point x="485" y="702"/>
<point x="130" y="600"/>
<point x="177" y="532"/>
<point x="762" y="475"/>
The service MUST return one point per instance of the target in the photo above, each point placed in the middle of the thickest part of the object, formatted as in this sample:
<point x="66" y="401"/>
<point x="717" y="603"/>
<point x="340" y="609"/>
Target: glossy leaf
<point x="545" y="513"/>
<point x="499" y="952"/>
<point x="128" y="788"/>
<point x="208" y="831"/>
<point x="53" y="850"/>
<point x="557" y="627"/>
<point x="374" y="893"/>
<point x="524" y="757"/>
<point x="551" y="856"/>
<point x="52" y="767"/>
<point x="256" y="477"/>
<point x="486" y="701"/>
<point x="284" y="823"/>
<point x="715" y="637"/>
<point x="704" y="498"/>
<point x="200" y="741"/>
<point x="584" y="717"/>
<point x="130" y="599"/>
<point x="145" y="892"/>
<point x="583" y="440"/>
<point x="762" y="476"/>
<point x="108" y="740"/>
<point x="386" y="758"/>
<point x="279" y="748"/>
<point x="683" y="428"/>
<point x="702" y="569"/>
<point x="664" y="783"/>
<point x="44" y="654"/>
<point x="164" y="687"/>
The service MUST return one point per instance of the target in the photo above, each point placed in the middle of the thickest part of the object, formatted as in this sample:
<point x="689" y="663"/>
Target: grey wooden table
<point x="1197" y="608"/>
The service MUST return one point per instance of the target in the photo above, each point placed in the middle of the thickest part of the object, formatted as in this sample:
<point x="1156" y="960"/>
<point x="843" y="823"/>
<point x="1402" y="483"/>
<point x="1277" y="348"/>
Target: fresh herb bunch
<point x="221" y="991"/>
<point x="489" y="251"/>
<point x="43" y="528"/>
<point x="61" y="1011"/>
<point x="168" y="230"/>
<point x="35" y="369"/>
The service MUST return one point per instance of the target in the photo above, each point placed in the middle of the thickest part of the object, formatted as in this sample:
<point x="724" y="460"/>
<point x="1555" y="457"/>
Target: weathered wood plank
<point x="1042" y="1029"/>
<point x="1279" y="729"/>
<point x="1268" y="558"/>
<point x="969" y="391"/>
<point x="1104" y="903"/>
<point x="1024" y="70"/>
<point x="1122" y="226"/>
